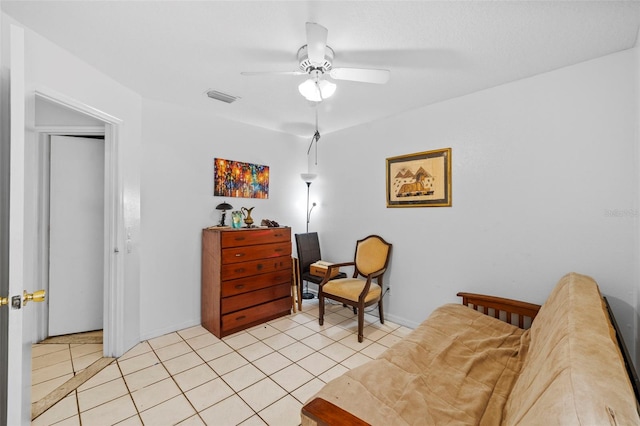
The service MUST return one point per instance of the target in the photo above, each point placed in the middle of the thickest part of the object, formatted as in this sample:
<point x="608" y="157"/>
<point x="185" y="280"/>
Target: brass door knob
<point x="4" y="301"/>
<point x="36" y="296"/>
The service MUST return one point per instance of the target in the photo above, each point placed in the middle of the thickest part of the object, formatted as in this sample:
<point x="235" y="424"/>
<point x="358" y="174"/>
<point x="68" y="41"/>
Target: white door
<point x="76" y="235"/>
<point x="16" y="386"/>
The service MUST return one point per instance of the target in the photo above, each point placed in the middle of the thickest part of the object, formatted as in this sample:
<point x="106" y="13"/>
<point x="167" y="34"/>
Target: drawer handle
<point x="240" y="270"/>
<point x="241" y="317"/>
<point x="259" y="266"/>
<point x="277" y="235"/>
<point x="279" y="249"/>
<point x="239" y="286"/>
<point x="239" y="238"/>
<point x="239" y="254"/>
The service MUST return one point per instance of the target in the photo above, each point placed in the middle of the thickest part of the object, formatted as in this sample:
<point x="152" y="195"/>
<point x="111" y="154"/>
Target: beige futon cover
<point x="462" y="367"/>
<point x="457" y="367"/>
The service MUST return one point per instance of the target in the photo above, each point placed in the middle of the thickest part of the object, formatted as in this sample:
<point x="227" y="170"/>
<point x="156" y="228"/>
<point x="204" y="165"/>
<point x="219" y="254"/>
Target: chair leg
<point x="360" y="323"/>
<point x="355" y="310"/>
<point x="380" y="311"/>
<point x="321" y="313"/>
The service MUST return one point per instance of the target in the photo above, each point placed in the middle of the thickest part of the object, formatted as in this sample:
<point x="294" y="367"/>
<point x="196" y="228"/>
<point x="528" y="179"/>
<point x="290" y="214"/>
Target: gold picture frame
<point x="422" y="179"/>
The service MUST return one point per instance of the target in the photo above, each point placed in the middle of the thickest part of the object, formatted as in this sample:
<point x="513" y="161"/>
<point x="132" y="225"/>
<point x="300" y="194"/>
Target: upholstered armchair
<point x="370" y="263"/>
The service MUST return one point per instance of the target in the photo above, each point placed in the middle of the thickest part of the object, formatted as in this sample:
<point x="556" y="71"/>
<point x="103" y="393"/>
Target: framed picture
<point x="238" y="179"/>
<point x="420" y="180"/>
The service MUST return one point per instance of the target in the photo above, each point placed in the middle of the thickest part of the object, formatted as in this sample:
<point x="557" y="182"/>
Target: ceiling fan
<point x="316" y="59"/>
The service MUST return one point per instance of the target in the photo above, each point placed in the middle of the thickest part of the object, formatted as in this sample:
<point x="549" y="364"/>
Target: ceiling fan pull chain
<point x="316" y="135"/>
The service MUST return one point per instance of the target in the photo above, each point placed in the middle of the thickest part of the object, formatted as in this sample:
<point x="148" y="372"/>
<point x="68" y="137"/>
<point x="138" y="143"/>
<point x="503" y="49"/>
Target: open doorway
<point x="79" y="228"/>
<point x="74" y="127"/>
<point x="71" y="209"/>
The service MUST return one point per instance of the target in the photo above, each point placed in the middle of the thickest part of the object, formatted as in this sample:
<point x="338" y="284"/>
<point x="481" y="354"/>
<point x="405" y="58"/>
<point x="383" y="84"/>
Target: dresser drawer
<point x="256" y="236"/>
<point x="246" y="253"/>
<point x="239" y="270"/>
<point x="255" y="314"/>
<point x="245" y="285"/>
<point x="241" y="301"/>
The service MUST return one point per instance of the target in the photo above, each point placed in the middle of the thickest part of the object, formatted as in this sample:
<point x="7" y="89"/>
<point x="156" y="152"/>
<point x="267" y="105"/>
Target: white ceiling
<point x="174" y="51"/>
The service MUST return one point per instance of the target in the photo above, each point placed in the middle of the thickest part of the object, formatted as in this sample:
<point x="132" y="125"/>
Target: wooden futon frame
<point x="514" y="312"/>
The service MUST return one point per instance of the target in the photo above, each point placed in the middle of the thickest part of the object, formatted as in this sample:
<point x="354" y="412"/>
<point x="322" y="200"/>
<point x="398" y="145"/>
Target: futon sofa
<point x="464" y="366"/>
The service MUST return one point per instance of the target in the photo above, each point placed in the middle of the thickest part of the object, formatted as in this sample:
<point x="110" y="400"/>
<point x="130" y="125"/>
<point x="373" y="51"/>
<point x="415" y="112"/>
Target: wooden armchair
<point x="370" y="261"/>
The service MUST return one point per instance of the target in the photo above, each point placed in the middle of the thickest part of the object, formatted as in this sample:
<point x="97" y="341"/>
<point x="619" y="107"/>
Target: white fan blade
<point x="316" y="42"/>
<point x="360" y="74"/>
<point x="273" y="73"/>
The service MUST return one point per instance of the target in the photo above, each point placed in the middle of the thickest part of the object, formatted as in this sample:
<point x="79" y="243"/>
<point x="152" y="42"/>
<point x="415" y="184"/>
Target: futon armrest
<point x="492" y="305"/>
<point x="325" y="413"/>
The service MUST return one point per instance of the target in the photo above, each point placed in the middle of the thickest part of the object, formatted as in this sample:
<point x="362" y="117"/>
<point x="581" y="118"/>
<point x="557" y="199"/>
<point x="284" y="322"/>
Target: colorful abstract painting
<point x="241" y="180"/>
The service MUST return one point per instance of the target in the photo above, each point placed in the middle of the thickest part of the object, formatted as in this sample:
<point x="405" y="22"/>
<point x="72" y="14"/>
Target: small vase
<point x="236" y="219"/>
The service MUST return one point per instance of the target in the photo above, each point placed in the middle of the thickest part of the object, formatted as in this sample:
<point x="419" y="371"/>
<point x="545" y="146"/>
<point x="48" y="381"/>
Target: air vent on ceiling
<point x="214" y="94"/>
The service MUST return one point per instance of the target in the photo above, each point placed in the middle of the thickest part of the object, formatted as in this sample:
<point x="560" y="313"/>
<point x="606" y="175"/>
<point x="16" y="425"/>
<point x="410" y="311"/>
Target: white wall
<point x="545" y="181"/>
<point x="54" y="69"/>
<point x="177" y="201"/>
<point x="50" y="114"/>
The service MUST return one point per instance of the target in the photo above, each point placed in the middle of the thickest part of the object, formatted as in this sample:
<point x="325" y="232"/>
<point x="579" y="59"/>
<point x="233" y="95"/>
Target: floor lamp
<point x="308" y="178"/>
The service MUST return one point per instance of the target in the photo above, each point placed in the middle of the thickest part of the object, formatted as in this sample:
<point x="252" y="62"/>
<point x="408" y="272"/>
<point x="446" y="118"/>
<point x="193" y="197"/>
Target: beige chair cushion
<point x="350" y="288"/>
<point x="371" y="255"/>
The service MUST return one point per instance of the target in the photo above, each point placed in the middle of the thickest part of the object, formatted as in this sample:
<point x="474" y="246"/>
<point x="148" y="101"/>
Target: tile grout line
<point x="128" y="393"/>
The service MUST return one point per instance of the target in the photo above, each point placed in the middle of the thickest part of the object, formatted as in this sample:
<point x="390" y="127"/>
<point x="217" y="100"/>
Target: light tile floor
<point x="259" y="376"/>
<point x="52" y="364"/>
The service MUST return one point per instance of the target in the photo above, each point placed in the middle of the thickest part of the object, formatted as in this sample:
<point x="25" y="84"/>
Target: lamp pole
<point x="308" y="212"/>
<point x="307" y="178"/>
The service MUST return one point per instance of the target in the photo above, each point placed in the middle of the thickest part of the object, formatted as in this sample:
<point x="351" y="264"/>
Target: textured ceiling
<point x="174" y="51"/>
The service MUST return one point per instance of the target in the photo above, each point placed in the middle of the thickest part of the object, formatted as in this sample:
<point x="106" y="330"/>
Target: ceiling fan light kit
<point x="317" y="91"/>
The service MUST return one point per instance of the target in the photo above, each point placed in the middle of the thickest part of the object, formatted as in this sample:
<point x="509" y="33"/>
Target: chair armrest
<point x="338" y="265"/>
<point x="327" y="274"/>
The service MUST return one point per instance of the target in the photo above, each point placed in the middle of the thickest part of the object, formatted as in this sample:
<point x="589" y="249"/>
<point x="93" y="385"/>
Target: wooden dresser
<point x="246" y="277"/>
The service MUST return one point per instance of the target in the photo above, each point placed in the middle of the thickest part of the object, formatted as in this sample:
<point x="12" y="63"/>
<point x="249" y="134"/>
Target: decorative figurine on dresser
<point x="246" y="277"/>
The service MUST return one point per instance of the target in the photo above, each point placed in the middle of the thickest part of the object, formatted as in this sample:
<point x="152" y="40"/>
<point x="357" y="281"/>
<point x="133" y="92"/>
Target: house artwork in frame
<point x="420" y="180"/>
<point x="238" y="179"/>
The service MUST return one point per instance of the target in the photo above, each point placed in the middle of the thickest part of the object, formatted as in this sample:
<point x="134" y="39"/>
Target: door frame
<point x="114" y="242"/>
